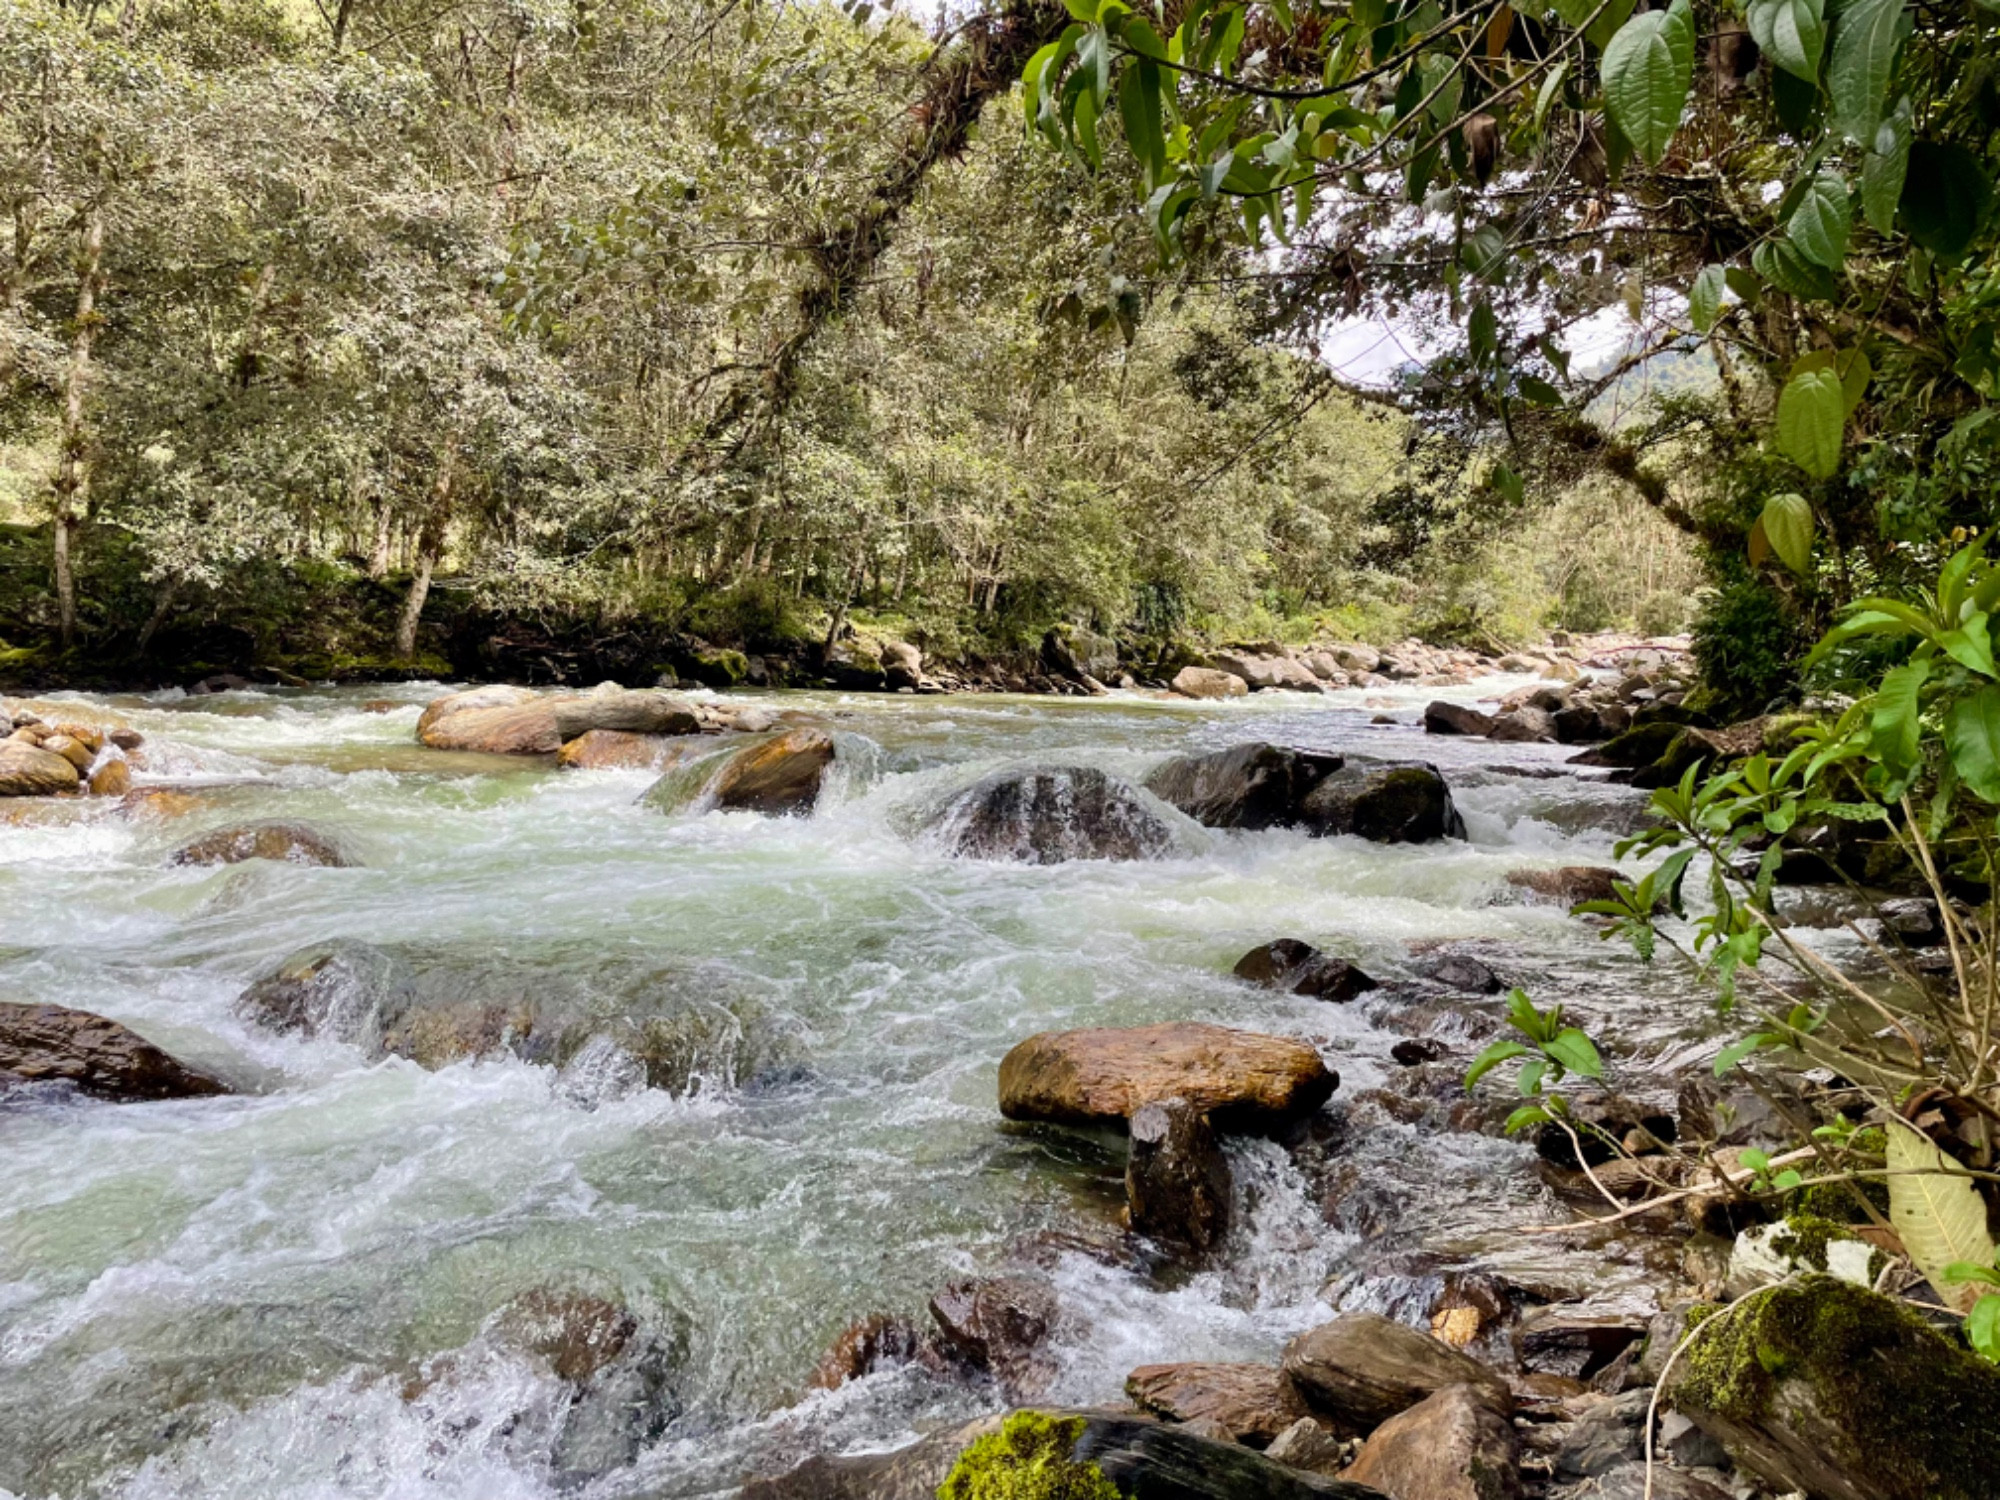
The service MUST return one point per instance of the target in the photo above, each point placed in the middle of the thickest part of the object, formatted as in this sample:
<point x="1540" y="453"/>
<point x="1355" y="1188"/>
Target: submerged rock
<point x="1844" y="1394"/>
<point x="609" y="1022"/>
<point x="1301" y="969"/>
<point x="1000" y="1324"/>
<point x="779" y="776"/>
<point x="1362" y="1369"/>
<point x="1452" y="1445"/>
<point x="1408" y="804"/>
<point x="1253" y="1403"/>
<point x="622" y="750"/>
<point x="1569" y="884"/>
<point x="1103" y="1076"/>
<point x="1458" y="971"/>
<point x="864" y="1346"/>
<point x="1049" y="814"/>
<point x="1248" y="786"/>
<point x="286" y="843"/>
<point x="30" y="771"/>
<point x="1176" y="1177"/>
<point x="96" y="1056"/>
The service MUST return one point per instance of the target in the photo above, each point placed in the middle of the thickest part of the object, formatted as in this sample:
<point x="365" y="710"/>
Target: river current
<point x="227" y="1297"/>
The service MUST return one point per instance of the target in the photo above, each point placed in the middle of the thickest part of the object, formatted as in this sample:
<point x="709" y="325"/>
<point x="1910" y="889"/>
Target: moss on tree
<point x="1027" y="1459"/>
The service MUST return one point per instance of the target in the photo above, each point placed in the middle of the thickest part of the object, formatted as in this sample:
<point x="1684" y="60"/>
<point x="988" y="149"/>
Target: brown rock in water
<point x="1407" y="804"/>
<point x="864" y="1346"/>
<point x="1101" y="1076"/>
<point x="69" y="748"/>
<point x="1569" y="884"/>
<point x="1456" y="718"/>
<point x="159" y="802"/>
<point x="502" y="720"/>
<point x="999" y="1324"/>
<point x="780" y="776"/>
<point x="126" y="739"/>
<point x="577" y="1334"/>
<point x="286" y="843"/>
<point x="1253" y="1403"/>
<point x="1450" y="1446"/>
<point x="1301" y="969"/>
<point x="1307" y="1445"/>
<point x="1208" y="682"/>
<point x="29" y="771"/>
<point x="1362" y="1369"/>
<point x="1176" y="1177"/>
<point x="112" y="779"/>
<point x="621" y="750"/>
<point x="54" y="1044"/>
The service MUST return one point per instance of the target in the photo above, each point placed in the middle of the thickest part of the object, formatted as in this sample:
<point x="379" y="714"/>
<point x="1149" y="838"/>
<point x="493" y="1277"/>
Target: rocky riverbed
<point x="401" y="1101"/>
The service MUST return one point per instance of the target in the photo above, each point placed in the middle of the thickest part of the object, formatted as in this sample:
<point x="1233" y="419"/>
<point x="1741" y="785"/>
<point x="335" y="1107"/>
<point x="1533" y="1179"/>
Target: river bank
<point x="313" y="1284"/>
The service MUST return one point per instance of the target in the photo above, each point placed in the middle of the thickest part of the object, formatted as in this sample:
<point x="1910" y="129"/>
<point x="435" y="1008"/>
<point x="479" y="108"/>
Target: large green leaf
<point x="1820" y="224"/>
<point x="1865" y="42"/>
<point x="1792" y="33"/>
<point x="1897" y="721"/>
<point x="1945" y="193"/>
<point x="1972" y="733"/>
<point x="1788" y="531"/>
<point x="1812" y="411"/>
<point x="1139" y="108"/>
<point x="1647" y="69"/>
<point x="1779" y="262"/>
<point x="1884" y="167"/>
<point x="1850" y="366"/>
<point x="1705" y="297"/>
<point x="1937" y="1212"/>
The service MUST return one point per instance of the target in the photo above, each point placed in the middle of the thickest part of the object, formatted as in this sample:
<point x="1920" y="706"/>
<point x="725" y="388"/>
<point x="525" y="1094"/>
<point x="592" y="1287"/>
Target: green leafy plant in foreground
<point x="1913" y="763"/>
<point x="1553" y="1051"/>
<point x="1027" y="1459"/>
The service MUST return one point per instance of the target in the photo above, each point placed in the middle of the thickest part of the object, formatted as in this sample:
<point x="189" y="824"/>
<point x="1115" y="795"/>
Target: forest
<point x="330" y="341"/>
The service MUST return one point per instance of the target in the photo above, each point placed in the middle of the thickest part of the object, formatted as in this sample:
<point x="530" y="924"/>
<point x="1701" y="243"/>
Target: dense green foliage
<point x="598" y="310"/>
<point x="1027" y="1459"/>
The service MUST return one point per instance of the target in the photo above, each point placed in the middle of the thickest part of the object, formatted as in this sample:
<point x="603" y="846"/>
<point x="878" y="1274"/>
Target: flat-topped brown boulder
<point x="286" y="843"/>
<point x="1101" y="1076"/>
<point x="30" y="771"/>
<point x="623" y="750"/>
<point x="99" y="1057"/>
<point x="518" y="721"/>
<point x="1362" y="1369"/>
<point x="1451" y="1445"/>
<point x="1254" y="1403"/>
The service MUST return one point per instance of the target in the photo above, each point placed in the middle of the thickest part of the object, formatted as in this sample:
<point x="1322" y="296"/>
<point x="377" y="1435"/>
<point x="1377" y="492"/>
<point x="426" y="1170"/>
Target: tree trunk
<point x="158" y="617"/>
<point x="378" y="555"/>
<point x="70" y="470"/>
<point x="341" y="17"/>
<point x="428" y="547"/>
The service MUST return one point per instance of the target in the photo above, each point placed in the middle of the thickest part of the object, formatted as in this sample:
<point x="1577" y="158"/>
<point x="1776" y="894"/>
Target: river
<point x="227" y="1297"/>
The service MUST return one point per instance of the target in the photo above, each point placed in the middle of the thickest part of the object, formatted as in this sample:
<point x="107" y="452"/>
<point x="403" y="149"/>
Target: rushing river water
<point x="228" y="1297"/>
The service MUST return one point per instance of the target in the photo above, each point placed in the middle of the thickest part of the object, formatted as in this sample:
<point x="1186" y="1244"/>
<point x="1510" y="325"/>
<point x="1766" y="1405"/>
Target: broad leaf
<point x="1937" y="1211"/>
<point x="1575" y="1051"/>
<point x="1779" y="262"/>
<point x="1491" y="1058"/>
<point x="1884" y="167"/>
<point x="1897" y="718"/>
<point x="1812" y="412"/>
<point x="1788" y="531"/>
<point x="1945" y="193"/>
<point x="1736" y="1051"/>
<point x="1705" y="298"/>
<point x="1792" y="33"/>
<point x="1647" y="69"/>
<point x="1820" y="224"/>
<point x="1982" y="1328"/>
<point x="1139" y="108"/>
<point x="1972" y="733"/>
<point x="1864" y="53"/>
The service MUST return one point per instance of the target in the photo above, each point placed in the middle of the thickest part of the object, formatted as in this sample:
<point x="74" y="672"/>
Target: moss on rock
<point x="1028" y="1459"/>
<point x="1825" y="1387"/>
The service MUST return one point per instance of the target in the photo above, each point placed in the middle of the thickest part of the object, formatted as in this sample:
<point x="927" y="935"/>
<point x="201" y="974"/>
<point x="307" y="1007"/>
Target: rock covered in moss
<point x="1841" y="1393"/>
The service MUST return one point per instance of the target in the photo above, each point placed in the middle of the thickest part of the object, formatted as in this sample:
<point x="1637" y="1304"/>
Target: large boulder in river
<point x="1000" y="1325"/>
<point x="1457" y="718"/>
<point x="1044" y="815"/>
<point x="609" y="1021"/>
<point x="1144" y="1458"/>
<point x="30" y="771"/>
<point x="1407" y="804"/>
<point x="1102" y="1076"/>
<point x="285" y="843"/>
<point x="517" y="721"/>
<point x="1208" y="682"/>
<point x="1246" y="786"/>
<point x="99" y="1057"/>
<point x="778" y="776"/>
<point x="1452" y="1445"/>
<point x="1253" y="1402"/>
<point x="1362" y="1369"/>
<point x="1836" y="1391"/>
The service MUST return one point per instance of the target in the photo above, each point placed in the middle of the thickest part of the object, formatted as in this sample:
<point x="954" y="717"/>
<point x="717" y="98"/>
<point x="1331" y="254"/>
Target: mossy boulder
<point x="716" y="667"/>
<point x="1027" y="1459"/>
<point x="1827" y="1388"/>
